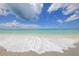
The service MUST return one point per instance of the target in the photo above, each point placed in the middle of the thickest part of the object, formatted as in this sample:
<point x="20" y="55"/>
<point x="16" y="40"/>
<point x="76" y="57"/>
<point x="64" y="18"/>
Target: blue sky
<point x="45" y="19"/>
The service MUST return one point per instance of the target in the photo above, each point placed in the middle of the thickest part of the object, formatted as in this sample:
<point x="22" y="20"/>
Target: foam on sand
<point x="20" y="43"/>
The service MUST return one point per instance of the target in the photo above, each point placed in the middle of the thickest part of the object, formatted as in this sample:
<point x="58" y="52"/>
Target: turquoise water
<point x="40" y="31"/>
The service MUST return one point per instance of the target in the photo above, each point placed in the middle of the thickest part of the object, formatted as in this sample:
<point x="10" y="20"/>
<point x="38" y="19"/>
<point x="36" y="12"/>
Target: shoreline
<point x="69" y="52"/>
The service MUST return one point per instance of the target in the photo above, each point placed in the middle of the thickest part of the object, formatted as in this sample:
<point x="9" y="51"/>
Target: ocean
<point x="40" y="31"/>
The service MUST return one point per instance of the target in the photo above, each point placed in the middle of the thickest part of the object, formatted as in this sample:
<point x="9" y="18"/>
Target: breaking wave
<point x="35" y="43"/>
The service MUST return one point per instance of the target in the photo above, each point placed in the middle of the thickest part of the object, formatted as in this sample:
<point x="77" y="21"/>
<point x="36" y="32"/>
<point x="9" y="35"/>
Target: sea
<point x="40" y="31"/>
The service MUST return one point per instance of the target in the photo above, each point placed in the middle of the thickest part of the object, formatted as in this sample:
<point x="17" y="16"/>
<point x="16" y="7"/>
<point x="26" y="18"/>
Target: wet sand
<point x="69" y="52"/>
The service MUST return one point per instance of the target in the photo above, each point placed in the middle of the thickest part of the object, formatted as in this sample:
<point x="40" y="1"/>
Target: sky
<point x="39" y="15"/>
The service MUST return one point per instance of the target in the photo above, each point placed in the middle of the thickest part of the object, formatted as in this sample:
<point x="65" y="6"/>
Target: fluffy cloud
<point x="31" y="10"/>
<point x="60" y="21"/>
<point x="26" y="10"/>
<point x="70" y="8"/>
<point x="72" y="18"/>
<point x="3" y="9"/>
<point x="66" y="10"/>
<point x="16" y="25"/>
<point x="54" y="7"/>
<point x="69" y="19"/>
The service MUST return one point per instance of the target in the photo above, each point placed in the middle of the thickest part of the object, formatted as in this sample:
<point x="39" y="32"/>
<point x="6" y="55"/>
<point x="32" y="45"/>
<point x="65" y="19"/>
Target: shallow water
<point x="41" y="31"/>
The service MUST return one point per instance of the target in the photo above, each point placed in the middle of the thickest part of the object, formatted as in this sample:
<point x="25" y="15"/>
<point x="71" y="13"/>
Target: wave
<point x="35" y="43"/>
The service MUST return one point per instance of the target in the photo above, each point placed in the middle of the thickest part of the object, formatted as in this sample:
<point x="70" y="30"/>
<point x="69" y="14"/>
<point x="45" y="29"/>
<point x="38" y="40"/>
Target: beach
<point x="34" y="43"/>
<point x="39" y="29"/>
<point x="70" y="52"/>
<point x="17" y="44"/>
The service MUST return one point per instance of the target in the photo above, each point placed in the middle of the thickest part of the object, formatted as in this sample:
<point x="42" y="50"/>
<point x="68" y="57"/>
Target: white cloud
<point x="67" y="8"/>
<point x="26" y="10"/>
<point x="8" y="24"/>
<point x="70" y="8"/>
<point x="3" y="9"/>
<point x="31" y="10"/>
<point x="21" y="10"/>
<point x="37" y="7"/>
<point x="60" y="21"/>
<point x="54" y="7"/>
<point x="69" y="19"/>
<point x="14" y="24"/>
<point x="72" y="18"/>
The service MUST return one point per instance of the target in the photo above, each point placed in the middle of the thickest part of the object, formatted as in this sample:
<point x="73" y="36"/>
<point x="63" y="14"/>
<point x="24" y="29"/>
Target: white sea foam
<point x="16" y="43"/>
